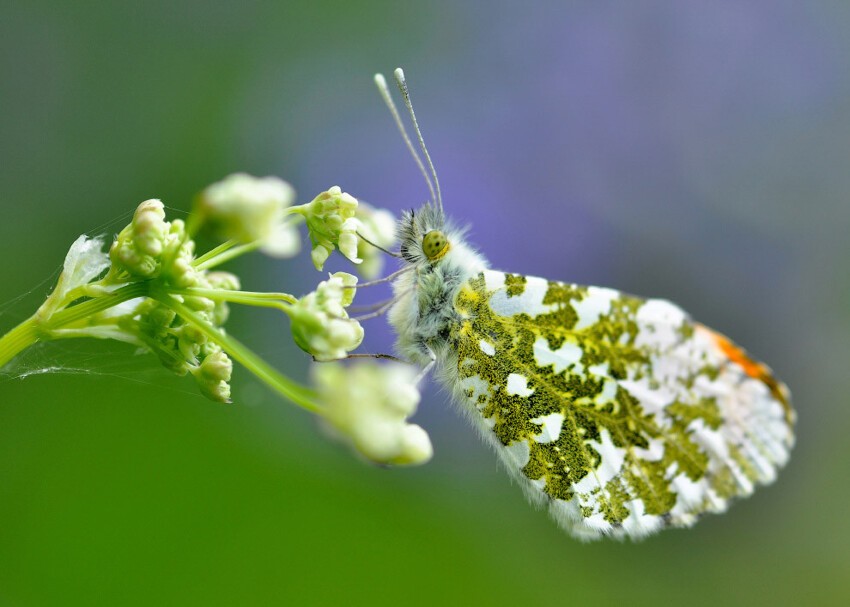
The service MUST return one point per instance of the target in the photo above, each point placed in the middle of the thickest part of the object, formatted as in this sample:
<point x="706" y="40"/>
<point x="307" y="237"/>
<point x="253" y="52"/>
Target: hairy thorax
<point x="425" y="302"/>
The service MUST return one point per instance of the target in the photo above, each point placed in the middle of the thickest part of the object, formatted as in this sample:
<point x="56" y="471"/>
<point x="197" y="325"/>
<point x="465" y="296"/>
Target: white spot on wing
<point x="486" y="347"/>
<point x="600" y="369"/>
<point x="655" y="311"/>
<point x="518" y="385"/>
<point x="609" y="391"/>
<point x="596" y="303"/>
<point x="493" y="280"/>
<point x="551" y="427"/>
<point x="612" y="458"/>
<point x="653" y="399"/>
<point x="530" y="301"/>
<point x="478" y="387"/>
<point x="568" y="354"/>
<point x="659" y="321"/>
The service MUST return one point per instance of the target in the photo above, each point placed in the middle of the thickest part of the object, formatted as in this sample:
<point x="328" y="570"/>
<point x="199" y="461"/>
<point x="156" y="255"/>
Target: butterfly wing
<point x="621" y="414"/>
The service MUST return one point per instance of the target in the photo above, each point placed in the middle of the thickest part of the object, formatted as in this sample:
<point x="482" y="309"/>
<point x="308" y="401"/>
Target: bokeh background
<point x="695" y="151"/>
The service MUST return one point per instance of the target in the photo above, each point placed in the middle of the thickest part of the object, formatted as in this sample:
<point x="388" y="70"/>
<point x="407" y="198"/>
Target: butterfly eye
<point x="435" y="244"/>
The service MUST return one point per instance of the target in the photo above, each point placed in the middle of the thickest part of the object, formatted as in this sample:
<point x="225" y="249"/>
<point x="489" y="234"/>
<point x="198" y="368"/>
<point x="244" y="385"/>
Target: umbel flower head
<point x="152" y="291"/>
<point x="252" y="209"/>
<point x="367" y="405"/>
<point x="141" y="247"/>
<point x="331" y="221"/>
<point x="183" y="347"/>
<point x="320" y="323"/>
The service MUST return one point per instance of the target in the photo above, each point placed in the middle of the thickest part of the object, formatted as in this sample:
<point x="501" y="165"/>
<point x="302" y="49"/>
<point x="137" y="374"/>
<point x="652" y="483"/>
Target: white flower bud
<point x="348" y="240"/>
<point x="320" y="255"/>
<point x="252" y="209"/>
<point x="368" y="404"/>
<point x="320" y="324"/>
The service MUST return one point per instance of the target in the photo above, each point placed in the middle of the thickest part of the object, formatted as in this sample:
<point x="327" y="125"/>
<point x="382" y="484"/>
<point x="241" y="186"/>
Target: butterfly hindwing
<point x="621" y="414"/>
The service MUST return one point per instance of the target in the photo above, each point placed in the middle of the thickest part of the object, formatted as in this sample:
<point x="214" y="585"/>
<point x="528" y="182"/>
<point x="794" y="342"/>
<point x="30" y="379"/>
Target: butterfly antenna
<point x="388" y="100"/>
<point x="405" y="93"/>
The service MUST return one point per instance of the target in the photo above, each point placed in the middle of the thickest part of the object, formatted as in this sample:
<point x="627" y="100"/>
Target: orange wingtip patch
<point x="753" y="368"/>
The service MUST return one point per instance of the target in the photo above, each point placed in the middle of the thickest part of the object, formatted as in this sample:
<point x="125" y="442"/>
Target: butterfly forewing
<point x="620" y="413"/>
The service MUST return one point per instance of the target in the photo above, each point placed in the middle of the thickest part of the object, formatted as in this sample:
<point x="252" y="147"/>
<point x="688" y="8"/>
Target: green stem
<point x="298" y="394"/>
<point x="210" y="261"/>
<point x="18" y="339"/>
<point x="35" y="328"/>
<point x="248" y="298"/>
<point x="215" y="251"/>
<point x="93" y="306"/>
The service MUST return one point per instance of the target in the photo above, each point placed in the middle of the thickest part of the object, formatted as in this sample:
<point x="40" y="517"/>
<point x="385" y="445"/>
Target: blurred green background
<point x="694" y="151"/>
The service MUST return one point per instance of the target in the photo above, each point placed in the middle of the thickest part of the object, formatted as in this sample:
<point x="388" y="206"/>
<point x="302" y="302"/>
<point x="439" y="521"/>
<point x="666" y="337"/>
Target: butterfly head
<point x="424" y="235"/>
<point x="429" y="240"/>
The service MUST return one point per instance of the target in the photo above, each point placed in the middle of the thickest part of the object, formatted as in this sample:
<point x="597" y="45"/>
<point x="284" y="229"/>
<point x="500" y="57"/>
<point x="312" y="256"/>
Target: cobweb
<point x="86" y="356"/>
<point x="94" y="358"/>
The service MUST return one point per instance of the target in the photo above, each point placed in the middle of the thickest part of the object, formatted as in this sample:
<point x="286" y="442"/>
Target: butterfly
<point x="620" y="415"/>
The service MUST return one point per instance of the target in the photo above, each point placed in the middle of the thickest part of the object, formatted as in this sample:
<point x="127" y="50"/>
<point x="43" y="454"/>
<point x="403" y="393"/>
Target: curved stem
<point x="215" y="251"/>
<point x="211" y="259"/>
<point x="248" y="298"/>
<point x="293" y="391"/>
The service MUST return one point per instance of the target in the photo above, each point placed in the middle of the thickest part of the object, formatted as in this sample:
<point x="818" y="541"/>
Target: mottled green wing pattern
<point x="620" y="414"/>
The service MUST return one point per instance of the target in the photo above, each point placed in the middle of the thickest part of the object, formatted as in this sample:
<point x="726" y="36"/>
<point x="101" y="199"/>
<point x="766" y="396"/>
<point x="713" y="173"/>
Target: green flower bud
<point x="138" y="247"/>
<point x="213" y="376"/>
<point x="320" y="324"/>
<point x="331" y="222"/>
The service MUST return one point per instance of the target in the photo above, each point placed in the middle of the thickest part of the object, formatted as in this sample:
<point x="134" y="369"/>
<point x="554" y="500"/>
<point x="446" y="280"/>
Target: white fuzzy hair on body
<point x="424" y="312"/>
<point x="423" y="316"/>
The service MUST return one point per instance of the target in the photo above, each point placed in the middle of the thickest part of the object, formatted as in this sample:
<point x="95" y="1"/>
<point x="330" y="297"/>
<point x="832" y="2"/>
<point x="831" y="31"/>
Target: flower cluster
<point x="367" y="405"/>
<point x="320" y="324"/>
<point x="150" y="247"/>
<point x="331" y="222"/>
<point x="181" y="345"/>
<point x="152" y="290"/>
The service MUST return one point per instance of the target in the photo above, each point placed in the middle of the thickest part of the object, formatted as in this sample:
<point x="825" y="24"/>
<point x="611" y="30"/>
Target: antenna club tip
<point x="379" y="80"/>
<point x="399" y="74"/>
